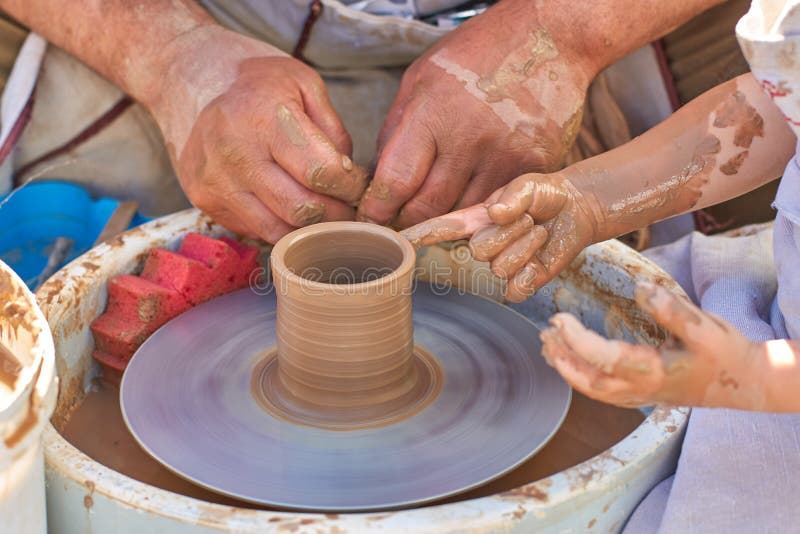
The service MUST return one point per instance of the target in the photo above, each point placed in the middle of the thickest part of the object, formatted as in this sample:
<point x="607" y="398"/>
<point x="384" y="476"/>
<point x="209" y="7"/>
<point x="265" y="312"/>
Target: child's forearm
<point x="724" y="143"/>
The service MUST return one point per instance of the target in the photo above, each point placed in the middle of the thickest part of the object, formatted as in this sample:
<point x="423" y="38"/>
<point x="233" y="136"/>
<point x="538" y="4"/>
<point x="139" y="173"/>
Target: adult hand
<point x="705" y="361"/>
<point x="253" y="136"/>
<point x="529" y="230"/>
<point x="499" y="96"/>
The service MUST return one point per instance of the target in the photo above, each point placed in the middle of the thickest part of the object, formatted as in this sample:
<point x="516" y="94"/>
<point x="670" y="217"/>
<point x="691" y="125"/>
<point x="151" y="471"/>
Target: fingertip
<point x="501" y="214"/>
<point x="372" y="207"/>
<point x="521" y="286"/>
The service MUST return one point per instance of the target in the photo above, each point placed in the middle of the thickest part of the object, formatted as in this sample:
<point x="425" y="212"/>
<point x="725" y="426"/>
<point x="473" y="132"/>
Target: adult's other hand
<point x="500" y="96"/>
<point x="254" y="138"/>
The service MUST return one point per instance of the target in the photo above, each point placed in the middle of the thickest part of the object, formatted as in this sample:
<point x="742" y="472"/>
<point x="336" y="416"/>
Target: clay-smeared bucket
<point x="597" y="494"/>
<point x="27" y="397"/>
<point x="345" y="355"/>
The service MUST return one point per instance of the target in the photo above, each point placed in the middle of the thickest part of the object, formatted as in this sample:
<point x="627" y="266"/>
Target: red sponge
<point x="113" y="367"/>
<point x="191" y="278"/>
<point x="137" y="299"/>
<point x="232" y="261"/>
<point x="117" y="336"/>
<point x="170" y="283"/>
<point x="248" y="262"/>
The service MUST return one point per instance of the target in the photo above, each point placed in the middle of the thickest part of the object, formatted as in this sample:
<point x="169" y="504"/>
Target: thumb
<point x="540" y="195"/>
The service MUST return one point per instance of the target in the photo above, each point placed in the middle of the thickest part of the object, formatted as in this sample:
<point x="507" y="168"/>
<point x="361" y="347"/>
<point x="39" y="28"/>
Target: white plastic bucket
<point x="28" y="388"/>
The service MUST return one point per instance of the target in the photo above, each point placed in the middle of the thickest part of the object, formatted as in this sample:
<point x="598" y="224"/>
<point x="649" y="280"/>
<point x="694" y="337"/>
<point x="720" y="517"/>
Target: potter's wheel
<point x="186" y="399"/>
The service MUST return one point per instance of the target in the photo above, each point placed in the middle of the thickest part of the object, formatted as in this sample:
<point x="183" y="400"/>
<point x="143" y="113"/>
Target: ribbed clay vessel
<point x="345" y="339"/>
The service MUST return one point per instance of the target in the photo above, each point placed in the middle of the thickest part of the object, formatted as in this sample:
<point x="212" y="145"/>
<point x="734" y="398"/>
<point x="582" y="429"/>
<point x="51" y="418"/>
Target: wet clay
<point x="290" y="126"/>
<point x="348" y="412"/>
<point x="10" y="368"/>
<point x="450" y="227"/>
<point x="97" y="428"/>
<point x="731" y="166"/>
<point x="736" y="112"/>
<point x="345" y="356"/>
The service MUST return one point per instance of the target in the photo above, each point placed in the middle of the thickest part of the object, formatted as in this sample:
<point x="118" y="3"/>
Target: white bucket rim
<point x="34" y="394"/>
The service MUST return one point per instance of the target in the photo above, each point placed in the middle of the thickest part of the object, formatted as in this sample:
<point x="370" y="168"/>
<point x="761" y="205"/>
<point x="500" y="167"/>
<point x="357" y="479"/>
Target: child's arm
<point x="728" y="141"/>
<point x="724" y="143"/>
<point x="705" y="362"/>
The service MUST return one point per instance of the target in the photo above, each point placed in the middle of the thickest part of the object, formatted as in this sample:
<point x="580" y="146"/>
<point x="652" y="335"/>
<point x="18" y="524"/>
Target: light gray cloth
<point x="738" y="471"/>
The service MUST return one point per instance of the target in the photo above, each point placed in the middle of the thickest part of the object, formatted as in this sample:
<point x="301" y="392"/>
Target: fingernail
<point x="556" y="322"/>
<point x="347" y="163"/>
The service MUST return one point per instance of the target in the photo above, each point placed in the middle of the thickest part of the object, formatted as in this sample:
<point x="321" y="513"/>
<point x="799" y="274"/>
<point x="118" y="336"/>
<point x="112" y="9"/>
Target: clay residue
<point x="10" y="367"/>
<point x="309" y="212"/>
<point x="88" y="501"/>
<point x="537" y="491"/>
<point x="27" y="424"/>
<point x="291" y="127"/>
<point x="450" y="227"/>
<point x="31" y="416"/>
<point x="90" y="266"/>
<point x="675" y="194"/>
<point x="270" y="393"/>
<point x="731" y="166"/>
<point x="736" y="112"/>
<point x="487" y="243"/>
<point x="514" y="71"/>
<point x="148" y="308"/>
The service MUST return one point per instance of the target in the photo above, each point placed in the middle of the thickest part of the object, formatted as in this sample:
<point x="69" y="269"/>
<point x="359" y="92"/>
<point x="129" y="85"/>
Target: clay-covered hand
<point x="704" y="362"/>
<point x="253" y="136"/>
<point x="529" y="230"/>
<point x="497" y="97"/>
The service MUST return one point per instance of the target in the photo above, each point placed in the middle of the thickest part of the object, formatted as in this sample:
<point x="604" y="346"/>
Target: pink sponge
<point x="170" y="283"/>
<point x="232" y="261"/>
<point x="194" y="280"/>
<point x="117" y="336"/>
<point x="136" y="309"/>
<point x="248" y="262"/>
<point x="113" y="367"/>
<point x="215" y="254"/>
<point x="136" y="299"/>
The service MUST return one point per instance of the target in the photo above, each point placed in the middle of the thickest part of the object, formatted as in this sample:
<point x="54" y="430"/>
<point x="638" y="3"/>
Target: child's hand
<point x="705" y="362"/>
<point x="529" y="230"/>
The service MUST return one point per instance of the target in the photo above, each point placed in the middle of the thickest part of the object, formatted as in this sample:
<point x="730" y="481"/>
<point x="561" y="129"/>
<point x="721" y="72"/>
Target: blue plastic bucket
<point x="39" y="213"/>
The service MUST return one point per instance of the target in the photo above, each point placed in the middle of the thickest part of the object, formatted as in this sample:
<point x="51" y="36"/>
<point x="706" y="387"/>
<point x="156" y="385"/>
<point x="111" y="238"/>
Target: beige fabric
<point x="341" y="38"/>
<point x="127" y="160"/>
<point x="362" y="98"/>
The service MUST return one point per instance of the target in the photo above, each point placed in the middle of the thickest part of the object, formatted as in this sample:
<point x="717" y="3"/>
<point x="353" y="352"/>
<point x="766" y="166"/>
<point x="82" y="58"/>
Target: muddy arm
<point x="730" y="140"/>
<point x="704" y="362"/>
